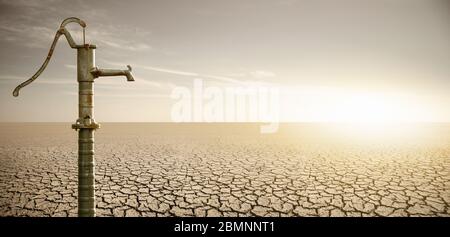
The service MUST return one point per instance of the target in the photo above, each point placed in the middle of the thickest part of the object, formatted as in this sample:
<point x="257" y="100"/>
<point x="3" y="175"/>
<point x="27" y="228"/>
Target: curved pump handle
<point x="61" y="31"/>
<point x="72" y="19"/>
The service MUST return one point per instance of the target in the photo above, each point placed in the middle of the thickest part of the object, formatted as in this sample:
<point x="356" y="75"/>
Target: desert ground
<point x="163" y="169"/>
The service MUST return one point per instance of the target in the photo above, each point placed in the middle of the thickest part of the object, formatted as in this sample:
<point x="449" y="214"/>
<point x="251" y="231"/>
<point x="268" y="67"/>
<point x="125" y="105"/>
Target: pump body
<point x="86" y="126"/>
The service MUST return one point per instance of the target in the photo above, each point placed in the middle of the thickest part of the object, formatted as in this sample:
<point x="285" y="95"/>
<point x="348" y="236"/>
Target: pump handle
<point x="61" y="31"/>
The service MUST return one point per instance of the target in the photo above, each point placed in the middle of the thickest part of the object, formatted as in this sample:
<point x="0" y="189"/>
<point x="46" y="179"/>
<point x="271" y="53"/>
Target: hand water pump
<point x="87" y="72"/>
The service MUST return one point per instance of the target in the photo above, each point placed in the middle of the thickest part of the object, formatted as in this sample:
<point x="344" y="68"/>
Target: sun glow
<point x="353" y="106"/>
<point x="360" y="115"/>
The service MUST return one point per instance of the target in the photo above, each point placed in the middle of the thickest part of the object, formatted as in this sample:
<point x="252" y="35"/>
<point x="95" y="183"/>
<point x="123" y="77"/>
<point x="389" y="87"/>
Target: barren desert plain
<point x="167" y="169"/>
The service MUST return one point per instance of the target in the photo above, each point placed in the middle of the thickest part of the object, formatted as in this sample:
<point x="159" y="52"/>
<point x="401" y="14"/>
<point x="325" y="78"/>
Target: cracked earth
<point x="168" y="170"/>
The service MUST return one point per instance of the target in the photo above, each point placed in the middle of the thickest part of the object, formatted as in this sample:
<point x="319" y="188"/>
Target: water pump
<point x="87" y="72"/>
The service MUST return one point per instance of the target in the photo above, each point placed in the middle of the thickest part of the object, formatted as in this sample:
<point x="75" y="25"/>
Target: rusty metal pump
<point x="87" y="72"/>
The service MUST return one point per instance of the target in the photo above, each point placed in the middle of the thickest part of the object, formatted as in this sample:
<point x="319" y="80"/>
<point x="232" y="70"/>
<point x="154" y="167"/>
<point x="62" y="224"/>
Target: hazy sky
<point x="332" y="60"/>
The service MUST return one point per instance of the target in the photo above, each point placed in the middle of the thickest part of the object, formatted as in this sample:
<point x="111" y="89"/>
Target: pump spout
<point x="96" y="72"/>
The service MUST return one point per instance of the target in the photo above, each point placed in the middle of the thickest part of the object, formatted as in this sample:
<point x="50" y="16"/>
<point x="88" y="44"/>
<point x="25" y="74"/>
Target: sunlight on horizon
<point x="338" y="105"/>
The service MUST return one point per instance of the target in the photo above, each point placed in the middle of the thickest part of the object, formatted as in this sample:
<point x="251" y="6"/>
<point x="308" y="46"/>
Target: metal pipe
<point x="86" y="126"/>
<point x="86" y="173"/>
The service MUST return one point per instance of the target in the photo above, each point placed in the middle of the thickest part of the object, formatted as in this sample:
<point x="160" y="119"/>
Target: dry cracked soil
<point x="224" y="170"/>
